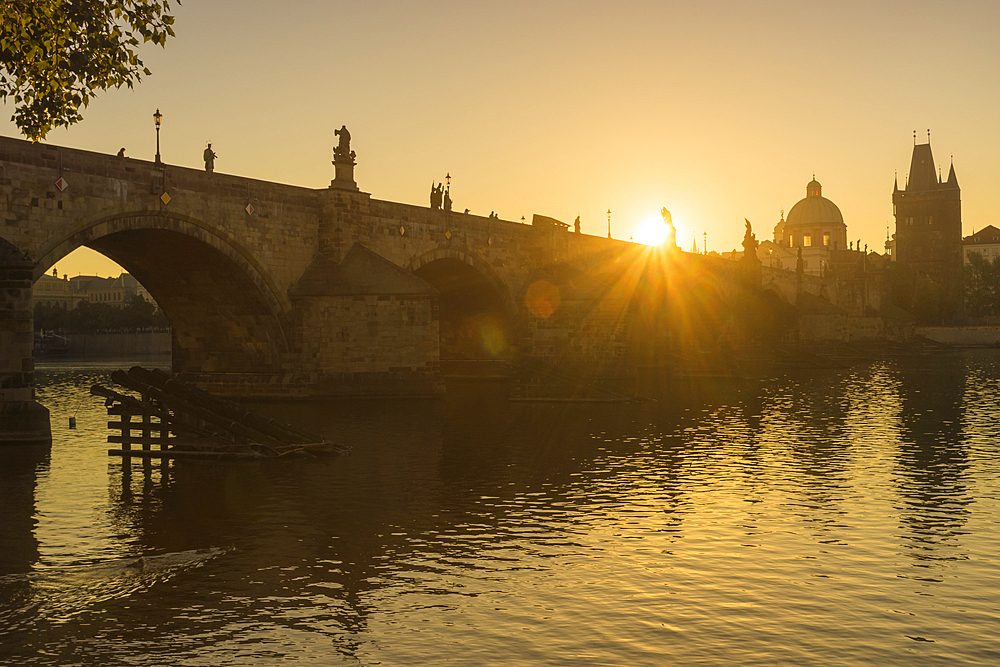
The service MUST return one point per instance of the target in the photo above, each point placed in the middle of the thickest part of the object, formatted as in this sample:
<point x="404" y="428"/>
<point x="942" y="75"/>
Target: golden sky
<point x="719" y="111"/>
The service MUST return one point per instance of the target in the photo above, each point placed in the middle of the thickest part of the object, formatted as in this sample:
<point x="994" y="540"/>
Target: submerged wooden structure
<point x="183" y="421"/>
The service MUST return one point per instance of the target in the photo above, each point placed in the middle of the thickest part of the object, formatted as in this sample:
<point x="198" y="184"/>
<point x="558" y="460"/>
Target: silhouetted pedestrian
<point x="210" y="156"/>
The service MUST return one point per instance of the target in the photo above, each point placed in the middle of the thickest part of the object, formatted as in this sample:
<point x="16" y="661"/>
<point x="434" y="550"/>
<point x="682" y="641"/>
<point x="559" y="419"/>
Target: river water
<point x="846" y="517"/>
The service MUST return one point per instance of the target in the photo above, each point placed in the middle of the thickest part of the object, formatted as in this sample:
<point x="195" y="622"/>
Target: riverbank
<point x="981" y="336"/>
<point x="111" y="345"/>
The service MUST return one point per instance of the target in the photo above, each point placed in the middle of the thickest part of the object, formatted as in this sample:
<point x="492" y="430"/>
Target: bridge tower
<point x="929" y="220"/>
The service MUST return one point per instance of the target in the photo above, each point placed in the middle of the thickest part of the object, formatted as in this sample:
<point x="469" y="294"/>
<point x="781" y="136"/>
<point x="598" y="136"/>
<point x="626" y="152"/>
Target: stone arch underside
<point x="477" y="319"/>
<point x="224" y="314"/>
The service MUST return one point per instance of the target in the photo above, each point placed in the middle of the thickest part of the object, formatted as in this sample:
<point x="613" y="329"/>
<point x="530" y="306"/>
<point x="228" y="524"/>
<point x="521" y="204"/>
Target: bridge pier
<point x="22" y="420"/>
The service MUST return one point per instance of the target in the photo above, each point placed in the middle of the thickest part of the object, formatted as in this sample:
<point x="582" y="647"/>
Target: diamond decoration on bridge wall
<point x="447" y="234"/>
<point x="402" y="230"/>
<point x="165" y="198"/>
<point x="249" y="209"/>
<point x="62" y="184"/>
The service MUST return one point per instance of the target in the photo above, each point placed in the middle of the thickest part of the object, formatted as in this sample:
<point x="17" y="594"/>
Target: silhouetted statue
<point x="576" y="225"/>
<point x="121" y="152"/>
<point x="852" y="245"/>
<point x="750" y="243"/>
<point x="670" y="240"/>
<point x="209" y="156"/>
<point x="800" y="267"/>
<point x="439" y="196"/>
<point x="343" y="152"/>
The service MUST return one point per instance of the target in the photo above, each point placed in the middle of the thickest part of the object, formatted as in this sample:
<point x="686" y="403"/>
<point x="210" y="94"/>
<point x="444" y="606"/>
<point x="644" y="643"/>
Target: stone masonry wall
<point x="369" y="333"/>
<point x="16" y="336"/>
<point x="22" y="420"/>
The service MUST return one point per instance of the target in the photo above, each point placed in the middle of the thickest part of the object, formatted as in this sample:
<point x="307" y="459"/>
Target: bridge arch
<point x="225" y="311"/>
<point x="778" y="291"/>
<point x="478" y="318"/>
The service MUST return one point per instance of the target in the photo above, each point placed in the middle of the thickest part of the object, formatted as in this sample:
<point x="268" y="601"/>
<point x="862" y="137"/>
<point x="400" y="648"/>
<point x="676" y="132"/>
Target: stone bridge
<point x="277" y="290"/>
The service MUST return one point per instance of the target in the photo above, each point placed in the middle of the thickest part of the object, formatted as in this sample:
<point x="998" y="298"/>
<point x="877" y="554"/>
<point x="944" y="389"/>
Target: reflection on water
<point x="836" y="519"/>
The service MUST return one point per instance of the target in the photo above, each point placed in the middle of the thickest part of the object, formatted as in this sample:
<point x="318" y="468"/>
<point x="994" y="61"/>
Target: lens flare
<point x="542" y="299"/>
<point x="493" y="339"/>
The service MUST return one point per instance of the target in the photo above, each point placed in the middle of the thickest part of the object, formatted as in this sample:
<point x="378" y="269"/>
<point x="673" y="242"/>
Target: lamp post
<point x="447" y="180"/>
<point x="609" y="223"/>
<point x="157" y="117"/>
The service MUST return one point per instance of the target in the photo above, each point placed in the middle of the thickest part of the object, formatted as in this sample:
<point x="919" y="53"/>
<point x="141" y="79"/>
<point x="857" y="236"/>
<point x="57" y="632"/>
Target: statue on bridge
<point x="750" y="243"/>
<point x="343" y="152"/>
<point x="670" y="238"/>
<point x="447" y="199"/>
<point x="437" y="195"/>
<point x="209" y="156"/>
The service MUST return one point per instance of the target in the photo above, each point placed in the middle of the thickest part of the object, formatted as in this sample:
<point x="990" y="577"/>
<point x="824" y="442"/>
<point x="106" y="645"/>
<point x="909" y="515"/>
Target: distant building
<point x="816" y="225"/>
<point x="986" y="242"/>
<point x="776" y="255"/>
<point x="69" y="292"/>
<point x="115" y="292"/>
<point x="55" y="291"/>
<point x="929" y="220"/>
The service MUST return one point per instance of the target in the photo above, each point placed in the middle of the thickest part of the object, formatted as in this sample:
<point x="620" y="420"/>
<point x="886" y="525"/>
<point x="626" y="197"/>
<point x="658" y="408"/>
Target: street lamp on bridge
<point x="609" y="223"/>
<point x="157" y="117"/>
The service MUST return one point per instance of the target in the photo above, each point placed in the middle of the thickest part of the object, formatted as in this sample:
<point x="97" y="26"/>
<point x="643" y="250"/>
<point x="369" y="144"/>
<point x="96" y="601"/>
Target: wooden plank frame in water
<point x="187" y="422"/>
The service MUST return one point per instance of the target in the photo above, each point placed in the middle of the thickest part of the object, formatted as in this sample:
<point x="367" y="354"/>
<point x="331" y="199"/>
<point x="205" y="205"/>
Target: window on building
<point x="826" y="238"/>
<point x="807" y="240"/>
<point x="791" y="241"/>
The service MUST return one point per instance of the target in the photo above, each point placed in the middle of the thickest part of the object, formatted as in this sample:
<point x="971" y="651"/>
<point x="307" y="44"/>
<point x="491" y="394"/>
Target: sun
<point x="652" y="231"/>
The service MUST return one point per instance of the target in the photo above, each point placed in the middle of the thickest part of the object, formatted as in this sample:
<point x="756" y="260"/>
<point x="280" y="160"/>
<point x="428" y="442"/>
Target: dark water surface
<point x="841" y="518"/>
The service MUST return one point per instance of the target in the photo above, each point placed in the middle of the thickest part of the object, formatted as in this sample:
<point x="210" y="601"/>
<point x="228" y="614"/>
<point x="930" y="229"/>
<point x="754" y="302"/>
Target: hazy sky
<point x="719" y="111"/>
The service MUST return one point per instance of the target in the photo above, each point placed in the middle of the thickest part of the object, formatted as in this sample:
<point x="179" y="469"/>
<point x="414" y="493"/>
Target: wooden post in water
<point x="147" y="463"/>
<point x="127" y="439"/>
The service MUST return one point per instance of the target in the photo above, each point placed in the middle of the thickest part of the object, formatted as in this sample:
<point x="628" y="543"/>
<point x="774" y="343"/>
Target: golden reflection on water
<point x="837" y="518"/>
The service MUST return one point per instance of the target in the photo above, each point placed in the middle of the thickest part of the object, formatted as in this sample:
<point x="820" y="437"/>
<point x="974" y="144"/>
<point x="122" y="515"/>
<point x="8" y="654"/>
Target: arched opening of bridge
<point x="220" y="320"/>
<point x="84" y="297"/>
<point x="475" y="321"/>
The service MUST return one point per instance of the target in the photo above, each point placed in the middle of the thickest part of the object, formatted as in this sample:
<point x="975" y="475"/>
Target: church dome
<point x="815" y="209"/>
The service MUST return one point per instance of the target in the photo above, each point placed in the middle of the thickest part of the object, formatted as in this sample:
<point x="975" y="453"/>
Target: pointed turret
<point x="952" y="179"/>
